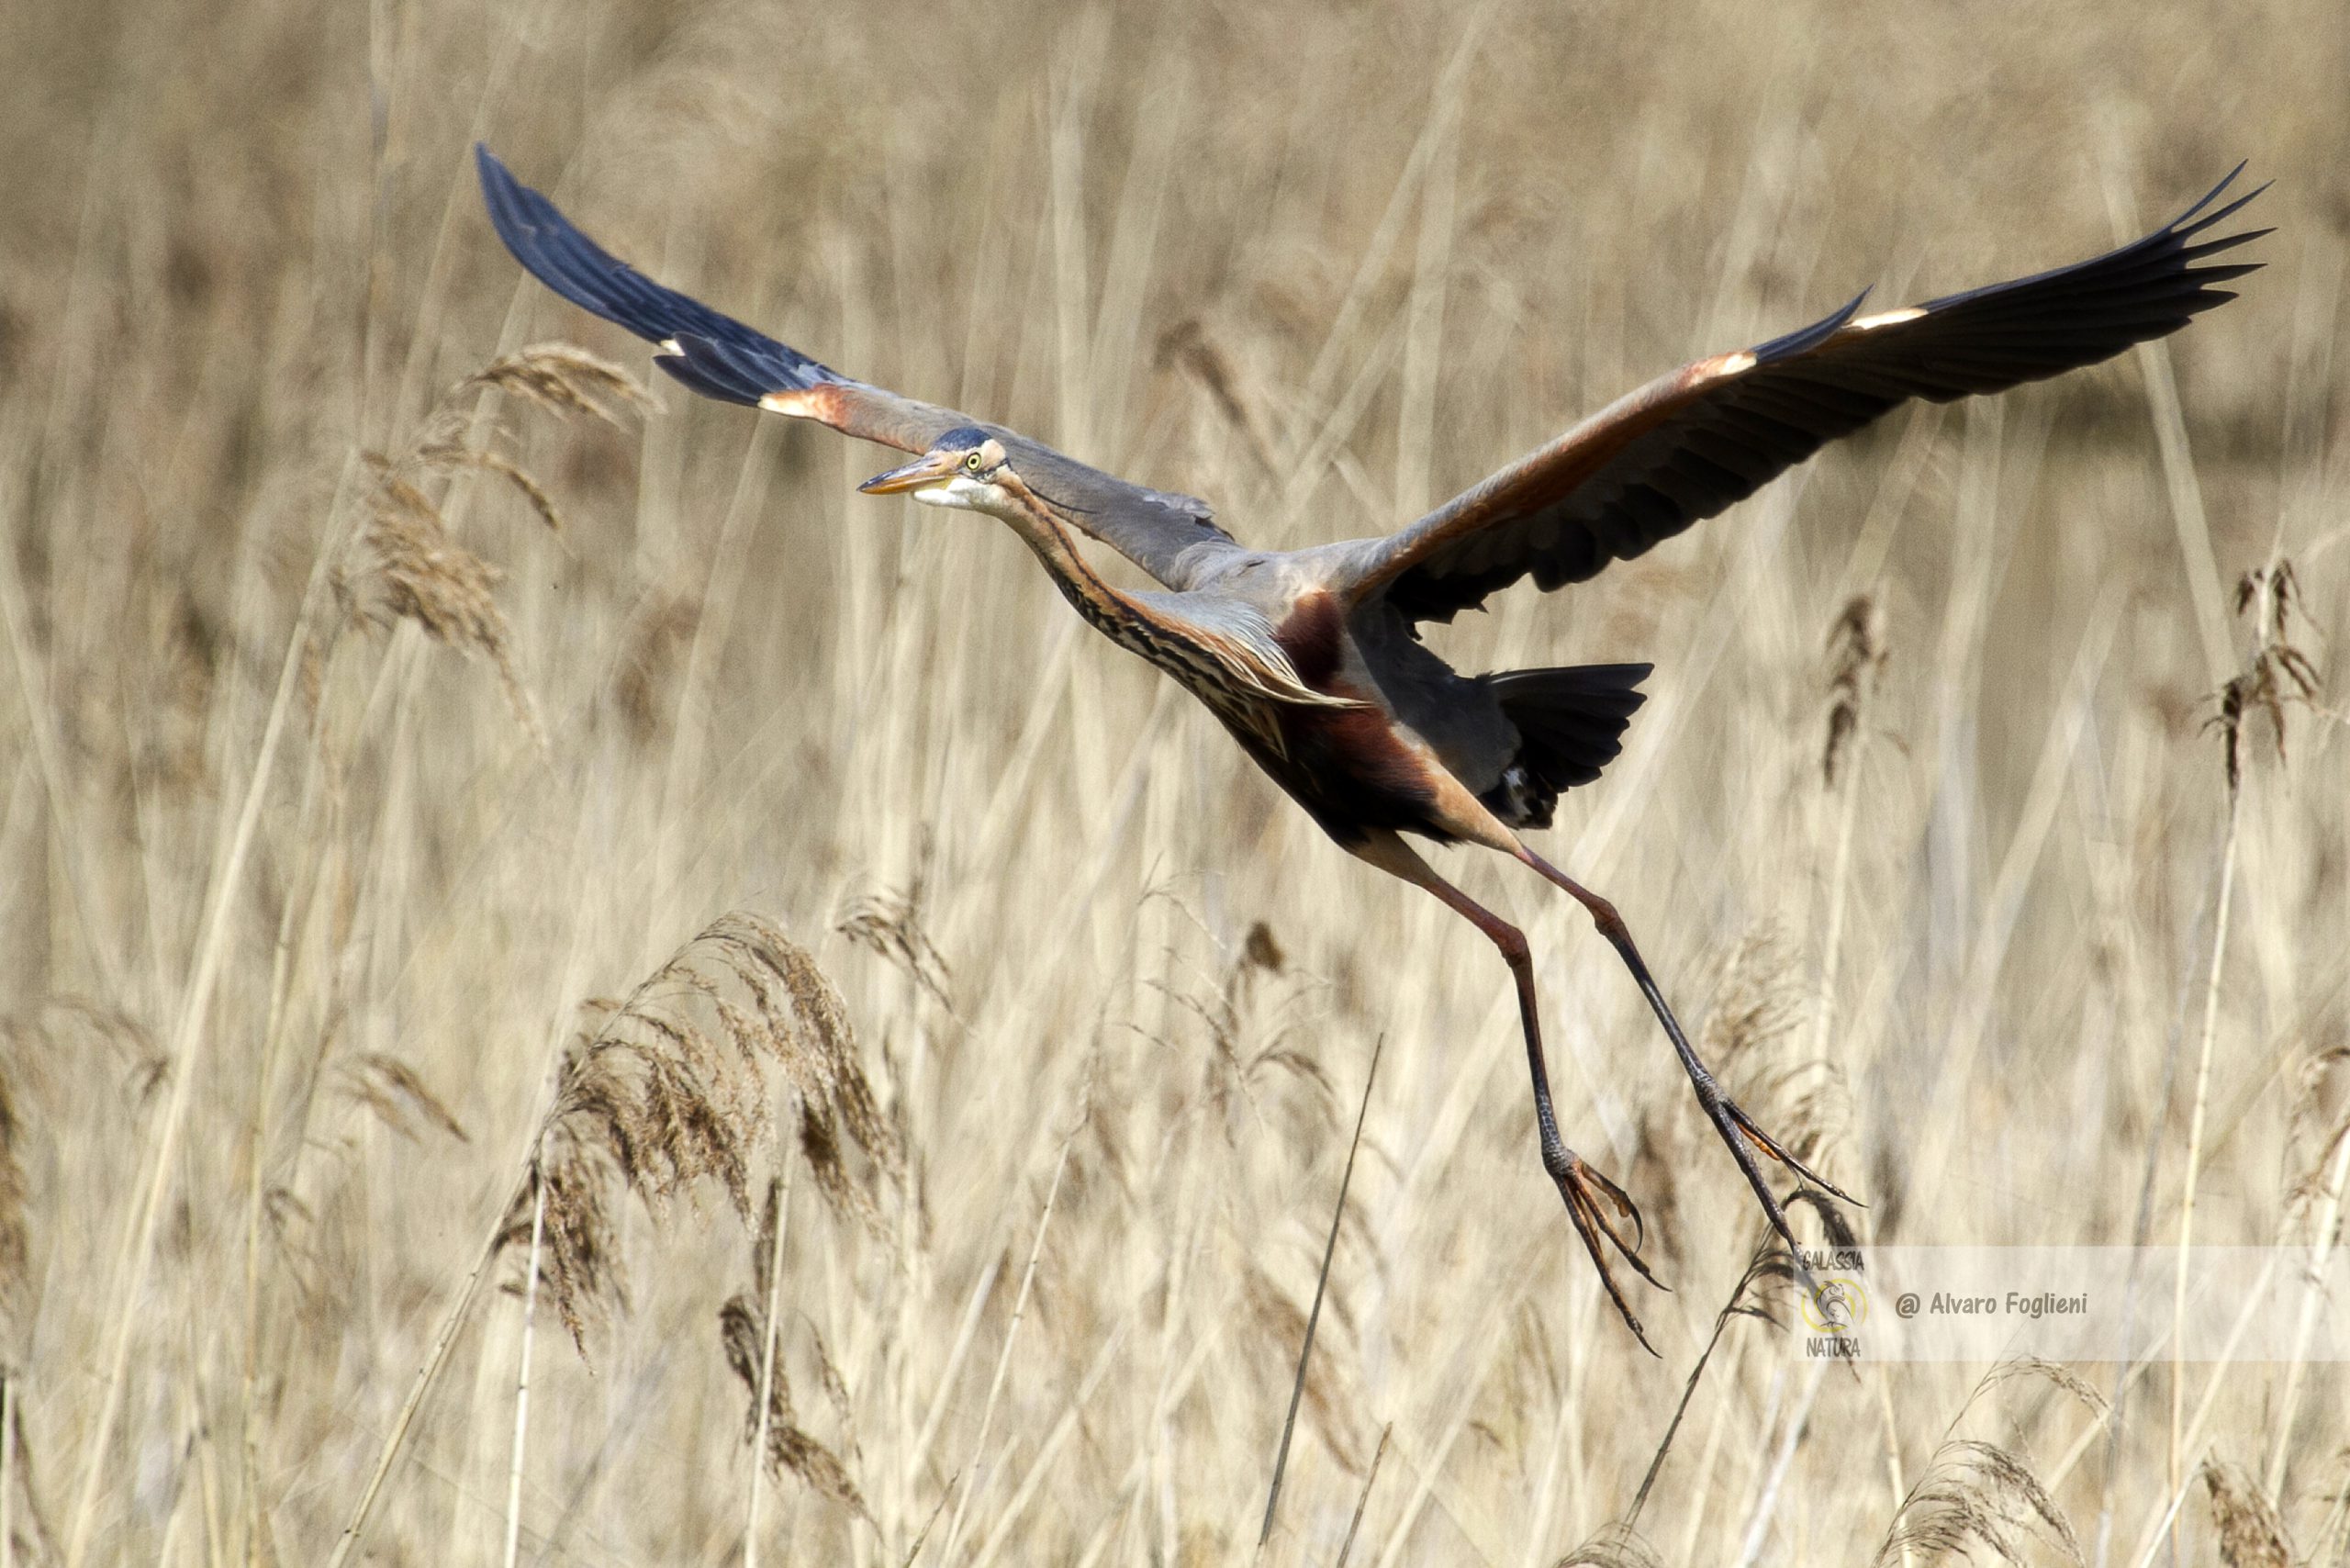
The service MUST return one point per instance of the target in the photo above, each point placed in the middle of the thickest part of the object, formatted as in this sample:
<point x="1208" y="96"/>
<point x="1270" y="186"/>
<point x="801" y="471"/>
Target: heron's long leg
<point x="1584" y="1188"/>
<point x="1737" y="1128"/>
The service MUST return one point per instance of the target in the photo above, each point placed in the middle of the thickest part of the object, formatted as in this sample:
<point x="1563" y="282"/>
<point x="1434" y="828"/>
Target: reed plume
<point x="745" y="1329"/>
<point x="668" y="1089"/>
<point x="2250" y="1531"/>
<point x="405" y="561"/>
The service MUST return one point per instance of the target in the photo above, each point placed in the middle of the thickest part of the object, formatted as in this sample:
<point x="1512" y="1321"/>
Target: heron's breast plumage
<point x="1353" y="768"/>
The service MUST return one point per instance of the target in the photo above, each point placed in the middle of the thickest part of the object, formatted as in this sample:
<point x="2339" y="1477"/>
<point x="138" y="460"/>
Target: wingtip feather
<point x="2184" y="230"/>
<point x="498" y="182"/>
<point x="1805" y="339"/>
<point x="2208" y="197"/>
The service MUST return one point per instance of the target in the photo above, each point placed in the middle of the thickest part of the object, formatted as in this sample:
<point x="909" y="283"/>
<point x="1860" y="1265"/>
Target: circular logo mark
<point x="1835" y="1304"/>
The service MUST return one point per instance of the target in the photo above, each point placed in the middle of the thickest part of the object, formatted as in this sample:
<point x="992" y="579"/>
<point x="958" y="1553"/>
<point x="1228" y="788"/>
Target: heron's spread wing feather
<point x="719" y="357"/>
<point x="1689" y="444"/>
<point x="1241" y="640"/>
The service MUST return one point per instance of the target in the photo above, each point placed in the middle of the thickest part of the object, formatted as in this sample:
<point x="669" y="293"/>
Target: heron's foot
<point x="1744" y="1138"/>
<point x="1590" y="1196"/>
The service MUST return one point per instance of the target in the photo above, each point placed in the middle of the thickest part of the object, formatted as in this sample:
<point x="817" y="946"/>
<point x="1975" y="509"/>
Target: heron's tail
<point x="1571" y="726"/>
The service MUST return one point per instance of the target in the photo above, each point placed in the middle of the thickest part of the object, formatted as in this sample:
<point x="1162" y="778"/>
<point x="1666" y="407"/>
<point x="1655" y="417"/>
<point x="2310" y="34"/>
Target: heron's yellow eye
<point x="972" y="463"/>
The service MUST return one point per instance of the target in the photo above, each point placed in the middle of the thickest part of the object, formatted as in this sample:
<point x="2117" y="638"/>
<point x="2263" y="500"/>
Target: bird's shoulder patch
<point x="1312" y="635"/>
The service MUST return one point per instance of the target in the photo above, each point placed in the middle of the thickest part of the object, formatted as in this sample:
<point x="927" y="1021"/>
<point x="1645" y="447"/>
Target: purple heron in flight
<point x="1311" y="658"/>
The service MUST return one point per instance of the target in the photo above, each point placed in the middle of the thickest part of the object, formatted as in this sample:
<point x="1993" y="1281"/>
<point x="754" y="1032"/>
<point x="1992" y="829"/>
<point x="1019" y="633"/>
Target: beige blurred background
<point x="302" y="902"/>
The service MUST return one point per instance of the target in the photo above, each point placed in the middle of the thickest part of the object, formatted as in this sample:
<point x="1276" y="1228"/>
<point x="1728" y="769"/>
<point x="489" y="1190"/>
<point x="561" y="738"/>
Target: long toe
<point x="1737" y="1130"/>
<point x="1778" y="1151"/>
<point x="1589" y="1195"/>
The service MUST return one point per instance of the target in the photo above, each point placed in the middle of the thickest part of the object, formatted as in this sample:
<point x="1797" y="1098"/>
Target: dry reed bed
<point x="334" y="786"/>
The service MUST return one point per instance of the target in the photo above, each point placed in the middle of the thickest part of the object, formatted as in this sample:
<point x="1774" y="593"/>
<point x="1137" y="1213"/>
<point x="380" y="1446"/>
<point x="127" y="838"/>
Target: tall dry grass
<point x="333" y="786"/>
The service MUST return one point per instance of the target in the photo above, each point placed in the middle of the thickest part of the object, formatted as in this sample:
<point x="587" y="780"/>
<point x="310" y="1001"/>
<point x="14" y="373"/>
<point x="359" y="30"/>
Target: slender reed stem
<point x="977" y="1472"/>
<point x="779" y="1195"/>
<point x="2322" y="1231"/>
<point x="2195" y="1138"/>
<point x="1321" y="1285"/>
<point x="522" y="1377"/>
<point x="1362" y="1499"/>
<point x="262" y="1137"/>
<point x="1893" y="1477"/>
<point x="188" y="1037"/>
<point x="1706" y="1470"/>
<point x="1766" y="1502"/>
<point x="434" y="1360"/>
<point x="8" y="1472"/>
<point x="1846" y="787"/>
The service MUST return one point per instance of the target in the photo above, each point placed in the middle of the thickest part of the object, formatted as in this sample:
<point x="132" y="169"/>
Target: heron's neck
<point x="1224" y="668"/>
<point x="1036" y="521"/>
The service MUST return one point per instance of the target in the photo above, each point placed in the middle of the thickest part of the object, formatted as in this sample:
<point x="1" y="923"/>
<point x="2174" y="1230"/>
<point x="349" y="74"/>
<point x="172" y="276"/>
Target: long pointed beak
<point x="931" y="468"/>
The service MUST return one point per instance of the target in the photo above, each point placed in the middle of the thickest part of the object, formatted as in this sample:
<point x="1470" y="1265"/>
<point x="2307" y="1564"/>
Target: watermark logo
<point x="2072" y="1304"/>
<point x="1832" y="1288"/>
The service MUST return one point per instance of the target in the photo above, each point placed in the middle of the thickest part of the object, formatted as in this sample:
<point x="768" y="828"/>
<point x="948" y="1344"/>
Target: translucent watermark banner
<point x="2073" y="1303"/>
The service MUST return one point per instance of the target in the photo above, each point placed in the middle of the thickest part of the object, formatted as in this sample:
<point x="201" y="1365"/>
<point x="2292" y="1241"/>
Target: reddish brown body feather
<point x="1347" y="767"/>
<point x="1313" y="636"/>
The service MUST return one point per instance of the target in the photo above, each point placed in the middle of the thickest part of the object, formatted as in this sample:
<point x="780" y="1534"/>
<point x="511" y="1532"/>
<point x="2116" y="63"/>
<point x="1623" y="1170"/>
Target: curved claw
<point x="1582" y="1187"/>
<point x="1584" y="1175"/>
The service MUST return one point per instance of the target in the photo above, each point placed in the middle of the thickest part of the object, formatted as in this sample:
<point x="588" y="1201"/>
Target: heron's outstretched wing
<point x="719" y="357"/>
<point x="1689" y="444"/>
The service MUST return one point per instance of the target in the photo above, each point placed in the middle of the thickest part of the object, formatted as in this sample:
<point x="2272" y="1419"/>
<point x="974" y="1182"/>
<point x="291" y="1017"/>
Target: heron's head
<point x="964" y="468"/>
